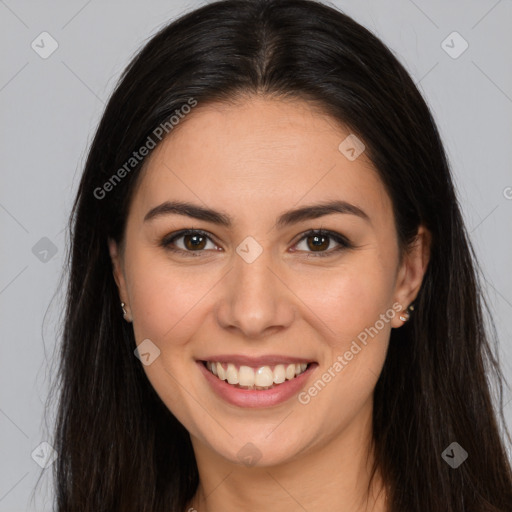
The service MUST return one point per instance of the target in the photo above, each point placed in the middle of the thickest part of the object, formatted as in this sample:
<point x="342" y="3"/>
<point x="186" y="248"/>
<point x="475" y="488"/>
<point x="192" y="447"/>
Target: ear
<point x="411" y="272"/>
<point x="117" y="267"/>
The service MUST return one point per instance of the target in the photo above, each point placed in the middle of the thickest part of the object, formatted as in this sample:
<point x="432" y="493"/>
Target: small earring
<point x="124" y="310"/>
<point x="407" y="315"/>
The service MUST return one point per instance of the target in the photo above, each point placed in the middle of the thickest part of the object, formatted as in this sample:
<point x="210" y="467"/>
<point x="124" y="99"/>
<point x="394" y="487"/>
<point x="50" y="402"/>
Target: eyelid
<point x="341" y="240"/>
<point x="169" y="239"/>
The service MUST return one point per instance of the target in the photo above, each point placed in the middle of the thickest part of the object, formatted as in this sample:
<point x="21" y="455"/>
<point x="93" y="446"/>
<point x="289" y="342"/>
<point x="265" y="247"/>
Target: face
<point x="262" y="290"/>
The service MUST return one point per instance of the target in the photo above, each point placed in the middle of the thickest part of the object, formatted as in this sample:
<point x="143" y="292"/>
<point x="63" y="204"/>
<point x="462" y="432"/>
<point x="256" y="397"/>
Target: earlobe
<point x="411" y="274"/>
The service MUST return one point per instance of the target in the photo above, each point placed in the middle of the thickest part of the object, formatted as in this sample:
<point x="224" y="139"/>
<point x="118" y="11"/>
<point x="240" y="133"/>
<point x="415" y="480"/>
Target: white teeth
<point x="290" y="371"/>
<point x="232" y="374"/>
<point x="246" y="376"/>
<point x="262" y="377"/>
<point x="279" y="374"/>
<point x="221" y="373"/>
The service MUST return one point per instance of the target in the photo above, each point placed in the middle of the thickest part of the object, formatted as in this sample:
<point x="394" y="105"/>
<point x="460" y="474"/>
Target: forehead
<point x="259" y="153"/>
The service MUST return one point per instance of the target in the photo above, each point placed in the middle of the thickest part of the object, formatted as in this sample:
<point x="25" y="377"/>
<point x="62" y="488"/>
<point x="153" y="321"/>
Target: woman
<point x="273" y="302"/>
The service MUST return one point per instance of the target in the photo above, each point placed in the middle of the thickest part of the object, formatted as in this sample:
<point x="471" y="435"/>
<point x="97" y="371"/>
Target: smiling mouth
<point x="257" y="378"/>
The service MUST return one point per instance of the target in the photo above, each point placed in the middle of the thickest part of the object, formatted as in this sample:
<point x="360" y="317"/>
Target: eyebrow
<point x="286" y="219"/>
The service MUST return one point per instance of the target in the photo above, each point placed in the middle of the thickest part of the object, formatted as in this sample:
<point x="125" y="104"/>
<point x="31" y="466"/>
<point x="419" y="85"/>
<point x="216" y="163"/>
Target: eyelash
<point x="341" y="240"/>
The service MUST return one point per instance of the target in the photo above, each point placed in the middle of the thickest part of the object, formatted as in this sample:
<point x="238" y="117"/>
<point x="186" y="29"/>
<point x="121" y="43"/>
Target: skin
<point x="253" y="160"/>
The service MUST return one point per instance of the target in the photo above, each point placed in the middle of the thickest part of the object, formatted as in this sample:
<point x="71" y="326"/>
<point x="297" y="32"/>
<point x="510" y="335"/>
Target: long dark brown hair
<point x="120" y="448"/>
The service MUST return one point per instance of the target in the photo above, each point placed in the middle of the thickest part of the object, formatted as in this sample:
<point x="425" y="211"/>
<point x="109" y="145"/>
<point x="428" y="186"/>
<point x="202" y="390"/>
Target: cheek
<point x="349" y="298"/>
<point x="168" y="307"/>
<point x="354" y="304"/>
<point x="162" y="296"/>
<point x="165" y="303"/>
<point x="354" y="309"/>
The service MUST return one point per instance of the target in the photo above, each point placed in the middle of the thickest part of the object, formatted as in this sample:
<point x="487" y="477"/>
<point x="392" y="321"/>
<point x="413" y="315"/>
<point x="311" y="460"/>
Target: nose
<point x="256" y="300"/>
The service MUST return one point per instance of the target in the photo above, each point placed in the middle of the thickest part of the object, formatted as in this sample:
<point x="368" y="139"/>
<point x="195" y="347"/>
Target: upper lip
<point x="266" y="360"/>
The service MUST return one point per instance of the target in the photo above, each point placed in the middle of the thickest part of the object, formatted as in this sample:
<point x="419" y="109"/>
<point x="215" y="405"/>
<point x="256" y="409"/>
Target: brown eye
<point x="318" y="241"/>
<point x="194" y="241"/>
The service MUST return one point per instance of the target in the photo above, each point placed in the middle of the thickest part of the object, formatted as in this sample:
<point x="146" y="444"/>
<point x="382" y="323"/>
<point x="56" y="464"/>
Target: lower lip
<point x="254" y="397"/>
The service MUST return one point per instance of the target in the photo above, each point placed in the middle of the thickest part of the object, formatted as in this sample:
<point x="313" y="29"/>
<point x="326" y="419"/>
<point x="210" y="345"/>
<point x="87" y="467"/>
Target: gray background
<point x="50" y="109"/>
